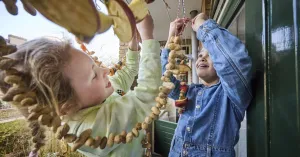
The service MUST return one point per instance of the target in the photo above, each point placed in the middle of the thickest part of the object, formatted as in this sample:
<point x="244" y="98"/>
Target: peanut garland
<point x="12" y="8"/>
<point x="173" y="69"/>
<point x="112" y="70"/>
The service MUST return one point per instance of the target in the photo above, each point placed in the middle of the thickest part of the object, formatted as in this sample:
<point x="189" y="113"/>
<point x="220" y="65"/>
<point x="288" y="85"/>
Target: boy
<point x="210" y="124"/>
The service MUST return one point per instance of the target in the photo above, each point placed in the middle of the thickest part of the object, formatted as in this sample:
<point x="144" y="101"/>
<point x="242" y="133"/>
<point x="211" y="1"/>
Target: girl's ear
<point x="68" y="108"/>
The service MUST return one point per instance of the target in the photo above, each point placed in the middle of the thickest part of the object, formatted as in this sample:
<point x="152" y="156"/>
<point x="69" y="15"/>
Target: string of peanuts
<point x="173" y="69"/>
<point x="112" y="70"/>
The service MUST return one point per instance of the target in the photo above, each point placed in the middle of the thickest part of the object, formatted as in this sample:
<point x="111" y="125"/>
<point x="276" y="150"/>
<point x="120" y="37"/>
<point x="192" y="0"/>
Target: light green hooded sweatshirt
<point x="118" y="113"/>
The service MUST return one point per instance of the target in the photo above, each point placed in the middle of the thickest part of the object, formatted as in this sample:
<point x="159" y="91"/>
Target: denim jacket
<point x="209" y="127"/>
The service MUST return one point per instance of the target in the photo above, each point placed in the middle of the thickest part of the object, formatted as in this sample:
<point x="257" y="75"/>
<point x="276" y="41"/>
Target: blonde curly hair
<point x="38" y="67"/>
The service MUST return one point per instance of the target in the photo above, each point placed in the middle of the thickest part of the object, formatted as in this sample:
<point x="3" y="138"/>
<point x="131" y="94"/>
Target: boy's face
<point x="204" y="67"/>
<point x="90" y="82"/>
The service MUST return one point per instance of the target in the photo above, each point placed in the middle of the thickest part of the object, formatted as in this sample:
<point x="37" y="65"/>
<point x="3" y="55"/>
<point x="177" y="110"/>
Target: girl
<point x="66" y="82"/>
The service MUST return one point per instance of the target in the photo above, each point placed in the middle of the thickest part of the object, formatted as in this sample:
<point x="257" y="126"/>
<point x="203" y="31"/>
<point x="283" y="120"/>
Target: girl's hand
<point x="146" y="27"/>
<point x="198" y="21"/>
<point x="144" y="32"/>
<point x="133" y="45"/>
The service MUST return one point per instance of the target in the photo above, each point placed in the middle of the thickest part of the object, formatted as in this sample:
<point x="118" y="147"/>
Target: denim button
<point x="198" y="106"/>
<point x="200" y="93"/>
<point x="188" y="129"/>
<point x="185" y="152"/>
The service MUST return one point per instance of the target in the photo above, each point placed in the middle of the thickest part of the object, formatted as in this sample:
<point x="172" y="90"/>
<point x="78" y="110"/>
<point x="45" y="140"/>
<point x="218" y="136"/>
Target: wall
<point x="272" y="39"/>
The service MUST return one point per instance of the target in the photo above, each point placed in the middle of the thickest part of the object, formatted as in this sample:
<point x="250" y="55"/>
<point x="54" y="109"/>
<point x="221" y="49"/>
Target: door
<point x="272" y="39"/>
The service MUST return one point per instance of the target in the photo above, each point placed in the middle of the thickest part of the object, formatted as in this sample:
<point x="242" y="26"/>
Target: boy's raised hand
<point x="177" y="27"/>
<point x="146" y="27"/>
<point x="198" y="21"/>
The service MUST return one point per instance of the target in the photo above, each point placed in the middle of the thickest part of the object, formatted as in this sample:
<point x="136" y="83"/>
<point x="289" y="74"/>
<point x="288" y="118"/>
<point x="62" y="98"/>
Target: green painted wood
<point x="272" y="39"/>
<point x="230" y="12"/>
<point x="230" y="8"/>
<point x="214" y="7"/>
<point x="284" y="81"/>
<point x="257" y="113"/>
<point x="163" y="134"/>
<point x="218" y="11"/>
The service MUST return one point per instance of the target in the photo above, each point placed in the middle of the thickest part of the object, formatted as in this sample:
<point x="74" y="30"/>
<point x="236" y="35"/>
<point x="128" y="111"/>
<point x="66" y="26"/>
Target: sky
<point x="24" y="25"/>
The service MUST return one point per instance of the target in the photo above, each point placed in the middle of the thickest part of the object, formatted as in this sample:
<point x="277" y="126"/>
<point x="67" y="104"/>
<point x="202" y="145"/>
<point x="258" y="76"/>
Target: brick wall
<point x="122" y="50"/>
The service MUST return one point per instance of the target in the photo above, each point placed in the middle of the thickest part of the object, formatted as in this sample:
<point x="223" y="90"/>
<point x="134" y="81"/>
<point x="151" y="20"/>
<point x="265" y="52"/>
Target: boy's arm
<point x="231" y="61"/>
<point x="164" y="61"/>
<point x="124" y="78"/>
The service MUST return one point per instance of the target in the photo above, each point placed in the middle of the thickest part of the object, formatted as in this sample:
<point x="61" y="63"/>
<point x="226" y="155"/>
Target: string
<point x="178" y="10"/>
<point x="167" y="10"/>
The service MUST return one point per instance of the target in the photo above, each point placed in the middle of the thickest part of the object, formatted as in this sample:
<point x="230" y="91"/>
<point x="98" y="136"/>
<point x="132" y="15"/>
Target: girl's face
<point x="90" y="82"/>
